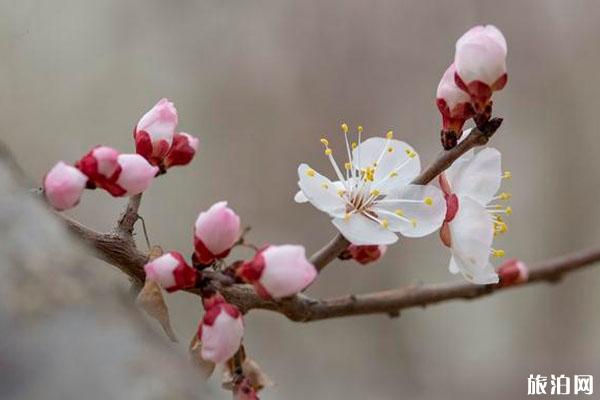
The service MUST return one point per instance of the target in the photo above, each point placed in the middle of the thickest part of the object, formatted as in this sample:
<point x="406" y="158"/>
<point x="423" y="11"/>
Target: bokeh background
<point x="260" y="82"/>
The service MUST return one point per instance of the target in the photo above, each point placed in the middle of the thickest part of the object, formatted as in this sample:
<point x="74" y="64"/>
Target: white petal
<point x="299" y="197"/>
<point x="360" y="230"/>
<point x="472" y="232"/>
<point x="320" y="191"/>
<point x="369" y="152"/>
<point x="478" y="176"/>
<point x="475" y="274"/>
<point x="428" y="218"/>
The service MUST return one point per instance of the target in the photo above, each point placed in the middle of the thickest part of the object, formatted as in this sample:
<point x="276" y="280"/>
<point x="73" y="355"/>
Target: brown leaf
<point x="250" y="370"/>
<point x="152" y="302"/>
<point x="206" y="368"/>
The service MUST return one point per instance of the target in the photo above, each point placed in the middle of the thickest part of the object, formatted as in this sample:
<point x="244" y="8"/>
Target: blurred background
<point x="259" y="83"/>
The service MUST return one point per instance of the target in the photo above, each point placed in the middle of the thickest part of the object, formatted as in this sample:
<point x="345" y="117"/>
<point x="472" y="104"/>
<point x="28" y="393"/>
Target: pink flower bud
<point x="171" y="272"/>
<point x="454" y="105"/>
<point x="154" y="132"/>
<point x="278" y="271"/>
<point x="480" y="61"/>
<point x="136" y="174"/>
<point x="63" y="186"/>
<point x="102" y="168"/>
<point x="215" y="233"/>
<point x="221" y="332"/>
<point x="182" y="151"/>
<point x="366" y="254"/>
<point x="512" y="272"/>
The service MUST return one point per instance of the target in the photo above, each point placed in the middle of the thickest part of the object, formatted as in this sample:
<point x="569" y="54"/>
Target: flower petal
<point x="474" y="274"/>
<point x="360" y="230"/>
<point x="472" y="232"/>
<point x="416" y="219"/>
<point x="371" y="150"/>
<point x="320" y="191"/>
<point x="477" y="175"/>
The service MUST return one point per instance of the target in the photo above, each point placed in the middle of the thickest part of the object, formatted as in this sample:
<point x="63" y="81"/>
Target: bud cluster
<point x="159" y="146"/>
<point x="465" y="90"/>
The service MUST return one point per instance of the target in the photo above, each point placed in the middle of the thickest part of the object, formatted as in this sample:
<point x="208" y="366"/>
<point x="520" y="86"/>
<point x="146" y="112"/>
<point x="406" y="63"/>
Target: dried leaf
<point x="206" y="368"/>
<point x="250" y="370"/>
<point x="151" y="300"/>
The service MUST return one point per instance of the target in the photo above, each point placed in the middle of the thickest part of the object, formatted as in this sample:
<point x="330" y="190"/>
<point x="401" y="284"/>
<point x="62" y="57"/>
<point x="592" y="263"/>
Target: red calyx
<point x="204" y="256"/>
<point x="181" y="152"/>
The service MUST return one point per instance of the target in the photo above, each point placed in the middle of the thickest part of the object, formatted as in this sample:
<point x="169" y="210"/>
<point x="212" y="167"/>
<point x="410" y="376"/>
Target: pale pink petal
<point x="63" y="186"/>
<point x="222" y="339"/>
<point x="160" y="270"/>
<point x="136" y="173"/>
<point x="452" y="95"/>
<point x="481" y="55"/>
<point x="160" y="122"/>
<point x="286" y="270"/>
<point x="218" y="228"/>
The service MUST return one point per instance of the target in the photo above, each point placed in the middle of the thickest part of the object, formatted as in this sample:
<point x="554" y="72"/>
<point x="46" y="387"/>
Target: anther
<point x="310" y="172"/>
<point x="325" y="186"/>
<point x="385" y="223"/>
<point x="344" y="127"/>
<point x="413" y="222"/>
<point x="348" y="166"/>
<point x="324" y="142"/>
<point x="508" y="210"/>
<point x="410" y="153"/>
<point x="390" y="149"/>
<point x="504" y="196"/>
<point x="389" y="135"/>
<point x="507" y="175"/>
<point x="354" y="145"/>
<point x="375" y="193"/>
<point x="399" y="212"/>
<point x="328" y="152"/>
<point x="498" y="253"/>
<point x="428" y="201"/>
<point x="360" y="129"/>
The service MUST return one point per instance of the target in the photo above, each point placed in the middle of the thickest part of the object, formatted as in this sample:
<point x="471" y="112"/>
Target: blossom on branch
<point x="63" y="186"/>
<point x="136" y="174"/>
<point x="512" y="272"/>
<point x="220" y="331"/>
<point x="455" y="106"/>
<point x="216" y="231"/>
<point x="364" y="254"/>
<point x="480" y="61"/>
<point x="102" y="167"/>
<point x="154" y="132"/>
<point x="182" y="151"/>
<point x="171" y="272"/>
<point x="278" y="271"/>
<point x="372" y="199"/>
<point x="471" y="223"/>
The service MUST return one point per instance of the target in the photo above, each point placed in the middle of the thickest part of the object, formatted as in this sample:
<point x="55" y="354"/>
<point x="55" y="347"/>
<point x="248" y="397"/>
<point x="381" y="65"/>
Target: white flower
<point x="471" y="223"/>
<point x="372" y="199"/>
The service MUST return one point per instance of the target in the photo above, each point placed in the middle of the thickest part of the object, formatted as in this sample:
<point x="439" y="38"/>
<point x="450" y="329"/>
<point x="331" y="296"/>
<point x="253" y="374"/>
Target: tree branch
<point x="118" y="248"/>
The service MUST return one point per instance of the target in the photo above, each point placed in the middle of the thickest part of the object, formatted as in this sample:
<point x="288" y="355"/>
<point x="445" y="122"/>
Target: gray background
<point x="259" y="82"/>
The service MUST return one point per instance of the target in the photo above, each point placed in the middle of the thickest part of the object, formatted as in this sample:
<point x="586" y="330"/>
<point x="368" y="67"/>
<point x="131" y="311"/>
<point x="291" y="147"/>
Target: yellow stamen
<point x="410" y="153"/>
<point x="399" y="212"/>
<point x="324" y="142"/>
<point x="508" y="210"/>
<point x="360" y="129"/>
<point x="348" y="166"/>
<point x="328" y="152"/>
<point x="413" y="222"/>
<point x="354" y="145"/>
<point x="346" y="217"/>
<point x="325" y="186"/>
<point x="344" y="127"/>
<point x="310" y="172"/>
<point x="393" y="174"/>
<point x="504" y="196"/>
<point x="375" y="192"/>
<point x="369" y="174"/>
<point x="385" y="223"/>
<point x="390" y="149"/>
<point x="428" y="201"/>
<point x="341" y="192"/>
<point x="498" y="253"/>
<point x="507" y="175"/>
<point x="389" y="135"/>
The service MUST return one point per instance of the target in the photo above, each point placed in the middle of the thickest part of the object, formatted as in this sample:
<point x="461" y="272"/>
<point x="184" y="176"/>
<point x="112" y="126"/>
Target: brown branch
<point x="129" y="216"/>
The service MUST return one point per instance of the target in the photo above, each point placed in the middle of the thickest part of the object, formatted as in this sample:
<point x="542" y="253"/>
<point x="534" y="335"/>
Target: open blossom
<point x="182" y="151"/>
<point x="455" y="106"/>
<point x="278" y="271"/>
<point x="215" y="232"/>
<point x="372" y="198"/>
<point x="471" y="223"/>
<point x="221" y="332"/>
<point x="366" y="254"/>
<point x="154" y="132"/>
<point x="102" y="168"/>
<point x="171" y="272"/>
<point x="63" y="186"/>
<point x="136" y="174"/>
<point x="480" y="61"/>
